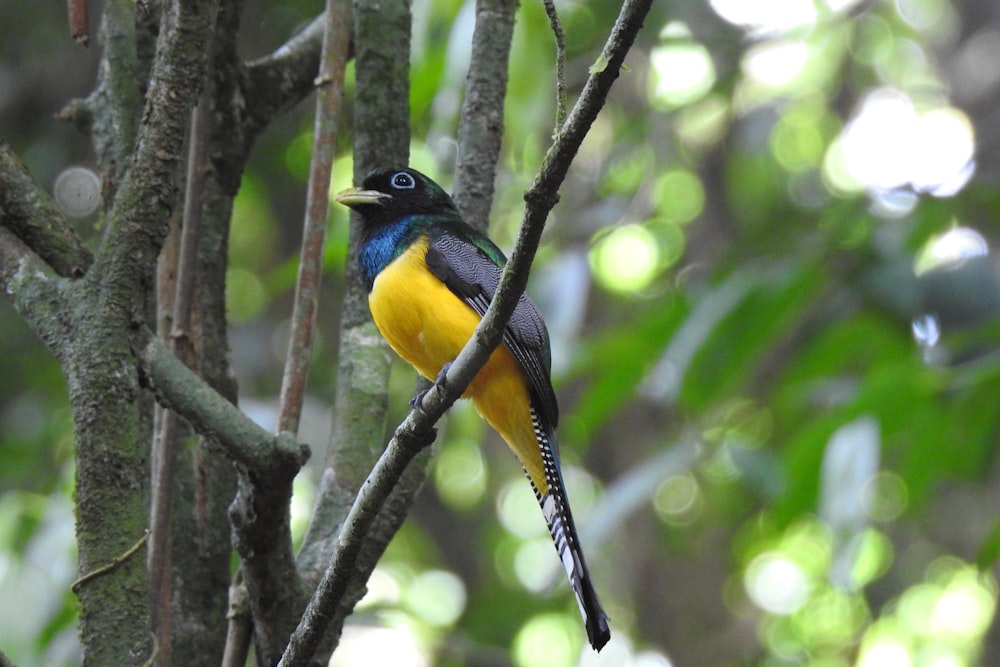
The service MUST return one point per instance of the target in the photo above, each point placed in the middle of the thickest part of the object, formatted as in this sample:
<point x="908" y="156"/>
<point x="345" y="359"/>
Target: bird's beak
<point x="357" y="197"/>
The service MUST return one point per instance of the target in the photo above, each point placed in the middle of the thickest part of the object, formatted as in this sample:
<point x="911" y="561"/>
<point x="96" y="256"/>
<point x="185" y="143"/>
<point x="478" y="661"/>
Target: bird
<point x="430" y="278"/>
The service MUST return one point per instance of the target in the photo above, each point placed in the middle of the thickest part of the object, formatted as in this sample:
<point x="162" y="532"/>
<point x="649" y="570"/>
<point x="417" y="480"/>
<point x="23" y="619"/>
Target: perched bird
<point x="431" y="278"/>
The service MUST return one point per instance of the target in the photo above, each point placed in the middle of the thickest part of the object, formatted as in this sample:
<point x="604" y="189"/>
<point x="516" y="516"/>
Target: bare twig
<point x="330" y="92"/>
<point x="165" y="441"/>
<point x="417" y="430"/>
<point x="330" y="86"/>
<point x="239" y="630"/>
<point x="560" y="36"/>
<point x="79" y="23"/>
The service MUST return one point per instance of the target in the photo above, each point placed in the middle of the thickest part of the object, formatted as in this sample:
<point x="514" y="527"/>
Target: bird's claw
<point x="442" y="378"/>
<point x="417" y="400"/>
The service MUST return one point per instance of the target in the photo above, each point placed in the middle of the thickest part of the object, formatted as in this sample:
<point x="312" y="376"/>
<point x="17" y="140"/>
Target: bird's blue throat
<point x="384" y="245"/>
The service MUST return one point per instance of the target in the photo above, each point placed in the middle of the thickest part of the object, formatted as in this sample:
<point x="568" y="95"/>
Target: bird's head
<point x="390" y="193"/>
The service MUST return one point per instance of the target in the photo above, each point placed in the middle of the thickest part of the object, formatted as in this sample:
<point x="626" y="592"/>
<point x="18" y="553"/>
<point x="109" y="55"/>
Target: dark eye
<point x="402" y="181"/>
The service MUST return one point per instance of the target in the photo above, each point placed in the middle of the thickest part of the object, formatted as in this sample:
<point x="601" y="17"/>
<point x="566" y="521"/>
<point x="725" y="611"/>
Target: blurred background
<point x="774" y="312"/>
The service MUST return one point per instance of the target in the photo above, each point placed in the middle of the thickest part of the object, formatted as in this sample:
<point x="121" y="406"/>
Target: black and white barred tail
<point x="555" y="508"/>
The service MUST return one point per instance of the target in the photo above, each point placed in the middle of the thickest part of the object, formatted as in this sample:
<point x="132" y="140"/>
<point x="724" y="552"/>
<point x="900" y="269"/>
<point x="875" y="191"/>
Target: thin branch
<point x="330" y="86"/>
<point x="79" y="23"/>
<point x="381" y="136"/>
<point x="239" y="630"/>
<point x="121" y="87"/>
<point x="406" y="443"/>
<point x="560" y="36"/>
<point x="329" y="96"/>
<point x="30" y="213"/>
<point x="165" y="440"/>
<point x="417" y="430"/>
<point x="178" y="388"/>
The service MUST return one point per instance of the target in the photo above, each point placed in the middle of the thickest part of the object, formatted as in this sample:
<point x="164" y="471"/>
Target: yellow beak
<point x="357" y="197"/>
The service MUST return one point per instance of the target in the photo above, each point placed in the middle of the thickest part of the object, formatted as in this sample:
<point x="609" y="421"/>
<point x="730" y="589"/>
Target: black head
<point x="388" y="193"/>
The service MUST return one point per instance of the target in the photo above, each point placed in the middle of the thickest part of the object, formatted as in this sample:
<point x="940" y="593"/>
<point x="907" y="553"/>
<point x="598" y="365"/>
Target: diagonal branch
<point x="417" y="430"/>
<point x="30" y="213"/>
<point x="178" y="388"/>
<point x="280" y="80"/>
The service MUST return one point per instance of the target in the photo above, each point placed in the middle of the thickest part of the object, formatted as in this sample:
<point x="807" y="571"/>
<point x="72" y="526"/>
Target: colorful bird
<point x="430" y="279"/>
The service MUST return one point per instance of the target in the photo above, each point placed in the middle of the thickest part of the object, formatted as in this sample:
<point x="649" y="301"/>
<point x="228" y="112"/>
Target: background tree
<point x="776" y="199"/>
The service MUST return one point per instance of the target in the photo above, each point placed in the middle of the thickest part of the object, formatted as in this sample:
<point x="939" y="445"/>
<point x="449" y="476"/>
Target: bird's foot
<point x="442" y="378"/>
<point x="417" y="399"/>
<point x="416" y="402"/>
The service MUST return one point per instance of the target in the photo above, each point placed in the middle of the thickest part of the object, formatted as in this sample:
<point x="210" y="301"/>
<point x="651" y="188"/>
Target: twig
<point x="79" y="23"/>
<point x="239" y="630"/>
<point x="165" y="441"/>
<point x="560" y="35"/>
<point x="105" y="569"/>
<point x="406" y="443"/>
<point x="330" y="87"/>
<point x="178" y="388"/>
<point x="330" y="92"/>
<point x="30" y="213"/>
<point x="417" y="430"/>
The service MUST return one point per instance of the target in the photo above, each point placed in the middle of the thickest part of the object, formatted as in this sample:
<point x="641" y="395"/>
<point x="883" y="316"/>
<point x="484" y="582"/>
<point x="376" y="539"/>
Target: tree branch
<point x="417" y="430"/>
<point x="30" y="213"/>
<point x="278" y="81"/>
<point x="540" y="198"/>
<point x="480" y="128"/>
<point x="381" y="136"/>
<point x="560" y="37"/>
<point x="180" y="342"/>
<point x="329" y="96"/>
<point x="178" y="388"/>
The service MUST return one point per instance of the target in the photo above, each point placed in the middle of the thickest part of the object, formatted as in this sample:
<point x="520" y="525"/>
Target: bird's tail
<point x="555" y="507"/>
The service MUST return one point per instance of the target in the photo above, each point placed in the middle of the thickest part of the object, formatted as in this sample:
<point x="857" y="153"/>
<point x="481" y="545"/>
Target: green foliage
<point x="746" y="289"/>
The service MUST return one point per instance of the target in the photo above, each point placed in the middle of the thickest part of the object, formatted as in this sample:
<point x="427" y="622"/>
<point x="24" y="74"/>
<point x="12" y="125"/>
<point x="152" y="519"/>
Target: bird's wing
<point x="471" y="267"/>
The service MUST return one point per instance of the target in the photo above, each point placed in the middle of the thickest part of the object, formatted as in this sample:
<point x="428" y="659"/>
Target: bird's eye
<point x="402" y="181"/>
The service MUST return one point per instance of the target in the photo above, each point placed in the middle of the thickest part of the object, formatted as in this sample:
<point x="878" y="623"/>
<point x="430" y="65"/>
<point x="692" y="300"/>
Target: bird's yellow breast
<point x="427" y="325"/>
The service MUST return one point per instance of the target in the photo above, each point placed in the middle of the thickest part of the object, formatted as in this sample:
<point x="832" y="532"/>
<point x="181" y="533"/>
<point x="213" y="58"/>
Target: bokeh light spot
<point x="677" y="499"/>
<point x="77" y="192"/>
<point x="950" y="248"/>
<point x="436" y="596"/>
<point x="767" y="17"/>
<point x="362" y="645"/>
<point x="546" y="640"/>
<point x="518" y="510"/>
<point x="776" y="583"/>
<point x="682" y="70"/>
<point x="459" y="474"/>
<point x="625" y="260"/>
<point x="679" y="196"/>
<point x="890" y="144"/>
